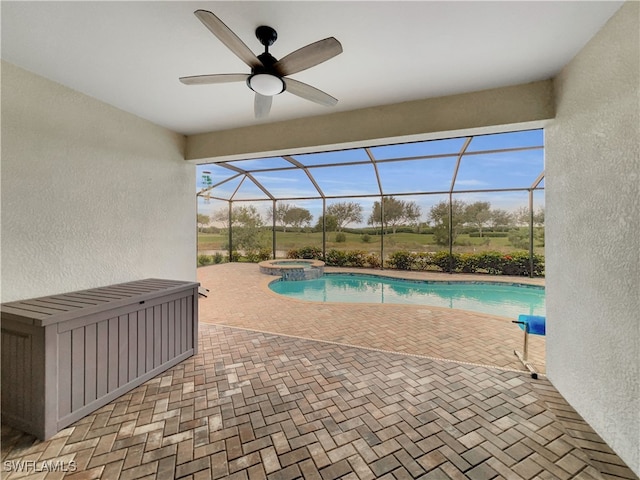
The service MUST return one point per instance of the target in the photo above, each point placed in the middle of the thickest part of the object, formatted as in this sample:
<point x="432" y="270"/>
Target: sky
<point x="481" y="168"/>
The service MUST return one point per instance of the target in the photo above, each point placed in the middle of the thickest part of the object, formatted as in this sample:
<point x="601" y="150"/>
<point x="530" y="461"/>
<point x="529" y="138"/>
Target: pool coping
<point x="283" y="263"/>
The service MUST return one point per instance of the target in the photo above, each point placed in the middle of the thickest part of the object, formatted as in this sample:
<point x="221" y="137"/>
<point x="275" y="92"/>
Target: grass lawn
<point x="392" y="242"/>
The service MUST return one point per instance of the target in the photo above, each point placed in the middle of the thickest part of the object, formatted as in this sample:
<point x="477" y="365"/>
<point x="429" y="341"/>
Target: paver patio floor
<point x="254" y="405"/>
<point x="436" y="332"/>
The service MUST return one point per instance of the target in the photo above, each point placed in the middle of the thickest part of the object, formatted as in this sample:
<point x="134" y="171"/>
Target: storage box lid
<point x="43" y="311"/>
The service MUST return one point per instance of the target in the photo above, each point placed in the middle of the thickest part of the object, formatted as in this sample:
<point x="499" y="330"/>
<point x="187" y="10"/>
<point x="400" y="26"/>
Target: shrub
<point x="538" y="265"/>
<point x="341" y="237"/>
<point x="402" y="260"/>
<point x="260" y="255"/>
<point x="308" y="253"/>
<point x="518" y="263"/>
<point x="423" y="260"/>
<point x="204" y="260"/>
<point x="467" y="263"/>
<point x="373" y="260"/>
<point x="366" y="238"/>
<point x="446" y="262"/>
<point x="489" y="234"/>
<point x="336" y="258"/>
<point x="356" y="258"/>
<point x="210" y="230"/>
<point x="235" y="256"/>
<point x="515" y="264"/>
<point x="218" y="257"/>
<point x="492" y="262"/>
<point x="519" y="238"/>
<point x="264" y="254"/>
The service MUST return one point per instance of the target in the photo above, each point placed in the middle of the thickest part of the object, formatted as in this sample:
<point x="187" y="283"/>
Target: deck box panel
<point x="22" y="372"/>
<point x="112" y="349"/>
<point x="142" y="341"/>
<point x="80" y="350"/>
<point x="64" y="374"/>
<point x="102" y="331"/>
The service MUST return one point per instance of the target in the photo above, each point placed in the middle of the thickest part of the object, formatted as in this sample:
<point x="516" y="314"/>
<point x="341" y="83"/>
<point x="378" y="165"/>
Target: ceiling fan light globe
<point x="266" y="84"/>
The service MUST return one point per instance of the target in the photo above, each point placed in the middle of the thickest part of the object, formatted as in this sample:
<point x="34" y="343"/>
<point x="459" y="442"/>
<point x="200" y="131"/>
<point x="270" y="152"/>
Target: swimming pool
<point x="494" y="298"/>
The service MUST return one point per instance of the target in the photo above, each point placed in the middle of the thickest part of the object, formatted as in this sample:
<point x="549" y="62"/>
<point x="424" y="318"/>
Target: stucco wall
<point x="593" y="234"/>
<point x="91" y="195"/>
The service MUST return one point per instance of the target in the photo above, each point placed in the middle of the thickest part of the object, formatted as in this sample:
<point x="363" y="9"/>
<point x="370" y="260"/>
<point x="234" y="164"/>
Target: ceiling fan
<point x="268" y="75"/>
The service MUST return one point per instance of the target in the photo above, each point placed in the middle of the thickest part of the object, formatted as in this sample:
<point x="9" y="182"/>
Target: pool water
<point x="503" y="299"/>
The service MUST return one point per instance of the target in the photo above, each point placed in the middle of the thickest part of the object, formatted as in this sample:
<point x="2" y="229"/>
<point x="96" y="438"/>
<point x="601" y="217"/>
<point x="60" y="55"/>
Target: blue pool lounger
<point x="536" y="325"/>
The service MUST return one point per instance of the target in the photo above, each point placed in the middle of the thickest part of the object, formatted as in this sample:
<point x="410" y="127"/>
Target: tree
<point x="246" y="216"/>
<point x="281" y="211"/>
<point x="202" y="220"/>
<point x="500" y="218"/>
<point x="345" y="213"/>
<point x="396" y="213"/>
<point x="412" y="213"/>
<point x="521" y="216"/>
<point x="519" y="238"/>
<point x="538" y="217"/>
<point x="478" y="214"/>
<point x="221" y="215"/>
<point x="331" y="224"/>
<point x="439" y="215"/>
<point x="297" y="217"/>
<point x="538" y="221"/>
<point x="247" y="226"/>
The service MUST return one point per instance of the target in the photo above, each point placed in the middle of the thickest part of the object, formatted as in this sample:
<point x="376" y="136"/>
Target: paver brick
<point x="481" y="472"/>
<point x="193" y="467"/>
<point x="385" y="465"/>
<point x="336" y="470"/>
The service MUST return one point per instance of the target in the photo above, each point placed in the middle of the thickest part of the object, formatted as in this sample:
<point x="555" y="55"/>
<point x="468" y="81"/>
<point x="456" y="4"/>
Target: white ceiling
<point x="130" y="54"/>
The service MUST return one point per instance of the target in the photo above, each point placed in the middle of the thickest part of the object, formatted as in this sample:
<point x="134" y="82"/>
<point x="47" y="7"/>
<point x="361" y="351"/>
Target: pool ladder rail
<point x="535" y="325"/>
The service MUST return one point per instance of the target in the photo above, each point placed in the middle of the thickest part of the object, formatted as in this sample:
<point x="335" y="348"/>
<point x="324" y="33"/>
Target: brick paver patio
<point x="436" y="332"/>
<point x="254" y="405"/>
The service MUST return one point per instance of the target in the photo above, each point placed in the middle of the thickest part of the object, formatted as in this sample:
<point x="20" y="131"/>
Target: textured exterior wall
<point x="593" y="234"/>
<point x="91" y="195"/>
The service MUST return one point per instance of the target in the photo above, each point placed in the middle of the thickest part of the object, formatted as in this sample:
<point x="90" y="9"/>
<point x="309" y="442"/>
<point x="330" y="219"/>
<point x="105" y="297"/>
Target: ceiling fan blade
<point x="309" y="93"/>
<point x="226" y="36"/>
<point x="262" y="105"/>
<point x="309" y="56"/>
<point x="216" y="78"/>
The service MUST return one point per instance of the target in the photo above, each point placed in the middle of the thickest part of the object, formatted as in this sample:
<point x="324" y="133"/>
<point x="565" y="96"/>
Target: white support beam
<point x="516" y="107"/>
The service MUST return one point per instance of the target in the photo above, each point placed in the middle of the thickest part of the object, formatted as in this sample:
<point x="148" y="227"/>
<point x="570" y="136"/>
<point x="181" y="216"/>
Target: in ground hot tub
<point x="294" y="269"/>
